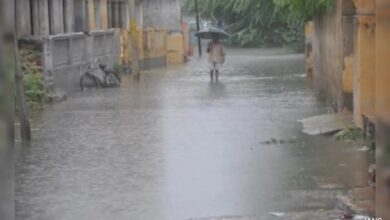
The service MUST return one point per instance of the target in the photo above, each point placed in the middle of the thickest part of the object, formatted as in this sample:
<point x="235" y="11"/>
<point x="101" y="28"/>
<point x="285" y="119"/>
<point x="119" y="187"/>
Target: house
<point x="162" y="13"/>
<point x="72" y="34"/>
<point x="348" y="51"/>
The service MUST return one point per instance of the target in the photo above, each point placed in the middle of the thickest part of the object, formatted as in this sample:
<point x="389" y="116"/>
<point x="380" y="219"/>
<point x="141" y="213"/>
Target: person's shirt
<point x="216" y="52"/>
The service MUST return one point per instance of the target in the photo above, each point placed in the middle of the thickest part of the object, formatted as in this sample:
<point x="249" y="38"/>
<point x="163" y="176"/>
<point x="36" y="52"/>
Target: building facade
<point x="163" y="13"/>
<point x="72" y="34"/>
<point x="348" y="59"/>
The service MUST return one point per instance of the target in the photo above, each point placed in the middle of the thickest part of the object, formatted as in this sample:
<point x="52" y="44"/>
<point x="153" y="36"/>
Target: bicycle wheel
<point x="111" y="80"/>
<point x="117" y="75"/>
<point x="88" y="81"/>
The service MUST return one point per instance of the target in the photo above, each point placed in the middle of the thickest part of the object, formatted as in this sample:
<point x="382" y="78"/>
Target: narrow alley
<point x="175" y="146"/>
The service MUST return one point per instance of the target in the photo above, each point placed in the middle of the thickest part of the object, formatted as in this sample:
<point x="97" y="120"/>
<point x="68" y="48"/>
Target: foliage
<point x="34" y="87"/>
<point x="119" y="68"/>
<point x="33" y="77"/>
<point x="251" y="22"/>
<point x="295" y="13"/>
<point x="356" y="137"/>
<point x="350" y="135"/>
<point x="302" y="9"/>
<point x="261" y="22"/>
<point x="294" y="35"/>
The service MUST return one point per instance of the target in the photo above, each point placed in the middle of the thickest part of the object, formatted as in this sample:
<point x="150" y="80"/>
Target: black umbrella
<point x="210" y="32"/>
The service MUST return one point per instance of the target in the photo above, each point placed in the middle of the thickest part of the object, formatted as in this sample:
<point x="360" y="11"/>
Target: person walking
<point x="216" y="52"/>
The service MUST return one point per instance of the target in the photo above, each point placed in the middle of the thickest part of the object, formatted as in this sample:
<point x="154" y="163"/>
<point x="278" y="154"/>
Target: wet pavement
<point x="175" y="147"/>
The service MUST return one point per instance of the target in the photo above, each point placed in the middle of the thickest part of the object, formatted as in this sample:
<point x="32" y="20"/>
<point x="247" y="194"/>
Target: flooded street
<point x="175" y="146"/>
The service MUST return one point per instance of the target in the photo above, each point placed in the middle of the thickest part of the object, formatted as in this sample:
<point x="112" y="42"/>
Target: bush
<point x="118" y="68"/>
<point x="33" y="77"/>
<point x="34" y="89"/>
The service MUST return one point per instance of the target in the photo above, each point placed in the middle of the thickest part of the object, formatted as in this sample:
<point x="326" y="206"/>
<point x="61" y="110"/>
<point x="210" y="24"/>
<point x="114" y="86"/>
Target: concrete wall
<point x="354" y="39"/>
<point x="162" y="14"/>
<point x="364" y="68"/>
<point x="67" y="52"/>
<point x="67" y="56"/>
<point x="43" y="17"/>
<point x="152" y="48"/>
<point x="7" y="15"/>
<point x="331" y="54"/>
<point x="382" y="90"/>
<point x="58" y="26"/>
<point x="343" y="54"/>
<point x="326" y="41"/>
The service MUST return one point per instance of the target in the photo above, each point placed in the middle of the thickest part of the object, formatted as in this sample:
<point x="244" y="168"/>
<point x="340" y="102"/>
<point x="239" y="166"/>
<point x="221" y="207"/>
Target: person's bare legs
<point x="217" y="75"/>
<point x="213" y="71"/>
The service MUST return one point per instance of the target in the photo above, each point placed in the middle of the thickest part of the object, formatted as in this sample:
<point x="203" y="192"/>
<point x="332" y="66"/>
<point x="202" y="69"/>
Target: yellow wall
<point x="91" y="15"/>
<point x="309" y="31"/>
<point x="151" y="43"/>
<point x="383" y="63"/>
<point x="125" y="47"/>
<point x="175" y="49"/>
<point x="382" y="55"/>
<point x="365" y="6"/>
<point x="104" y="14"/>
<point x="347" y="75"/>
<point x="364" y="70"/>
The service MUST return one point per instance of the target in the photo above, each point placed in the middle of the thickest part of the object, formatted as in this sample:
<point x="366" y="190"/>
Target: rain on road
<point x="175" y="147"/>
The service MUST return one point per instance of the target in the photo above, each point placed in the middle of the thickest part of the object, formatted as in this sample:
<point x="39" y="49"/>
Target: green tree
<point x="262" y="22"/>
<point x="302" y="10"/>
<point x="251" y="22"/>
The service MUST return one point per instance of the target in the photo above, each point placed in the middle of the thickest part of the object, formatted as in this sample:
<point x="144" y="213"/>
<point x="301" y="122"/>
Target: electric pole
<point x="25" y="127"/>
<point x="198" y="27"/>
<point x="7" y="95"/>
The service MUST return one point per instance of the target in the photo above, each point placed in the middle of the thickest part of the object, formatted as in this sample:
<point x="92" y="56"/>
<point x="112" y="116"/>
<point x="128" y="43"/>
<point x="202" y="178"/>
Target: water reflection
<point x="216" y="89"/>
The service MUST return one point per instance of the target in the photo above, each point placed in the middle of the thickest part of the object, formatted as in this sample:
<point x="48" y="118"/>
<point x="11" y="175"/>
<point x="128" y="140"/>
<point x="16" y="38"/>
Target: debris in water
<point x="281" y="141"/>
<point x="361" y="217"/>
<point x="371" y="175"/>
<point x="346" y="215"/>
<point x="364" y="148"/>
<point x="332" y="186"/>
<point x="277" y="214"/>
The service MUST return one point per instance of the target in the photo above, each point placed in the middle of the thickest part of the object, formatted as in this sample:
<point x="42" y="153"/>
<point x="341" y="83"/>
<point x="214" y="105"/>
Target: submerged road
<point x="176" y="147"/>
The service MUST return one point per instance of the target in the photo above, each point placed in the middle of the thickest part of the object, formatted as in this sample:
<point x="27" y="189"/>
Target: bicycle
<point x="89" y="80"/>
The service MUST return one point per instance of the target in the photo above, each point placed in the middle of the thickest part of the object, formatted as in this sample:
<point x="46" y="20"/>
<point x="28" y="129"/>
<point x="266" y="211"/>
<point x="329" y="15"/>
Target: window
<point x="98" y="20"/>
<point x="57" y="16"/>
<point x="117" y="14"/>
<point x="80" y="12"/>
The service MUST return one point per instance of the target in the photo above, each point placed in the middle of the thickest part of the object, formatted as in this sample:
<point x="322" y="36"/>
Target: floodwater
<point x="176" y="147"/>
